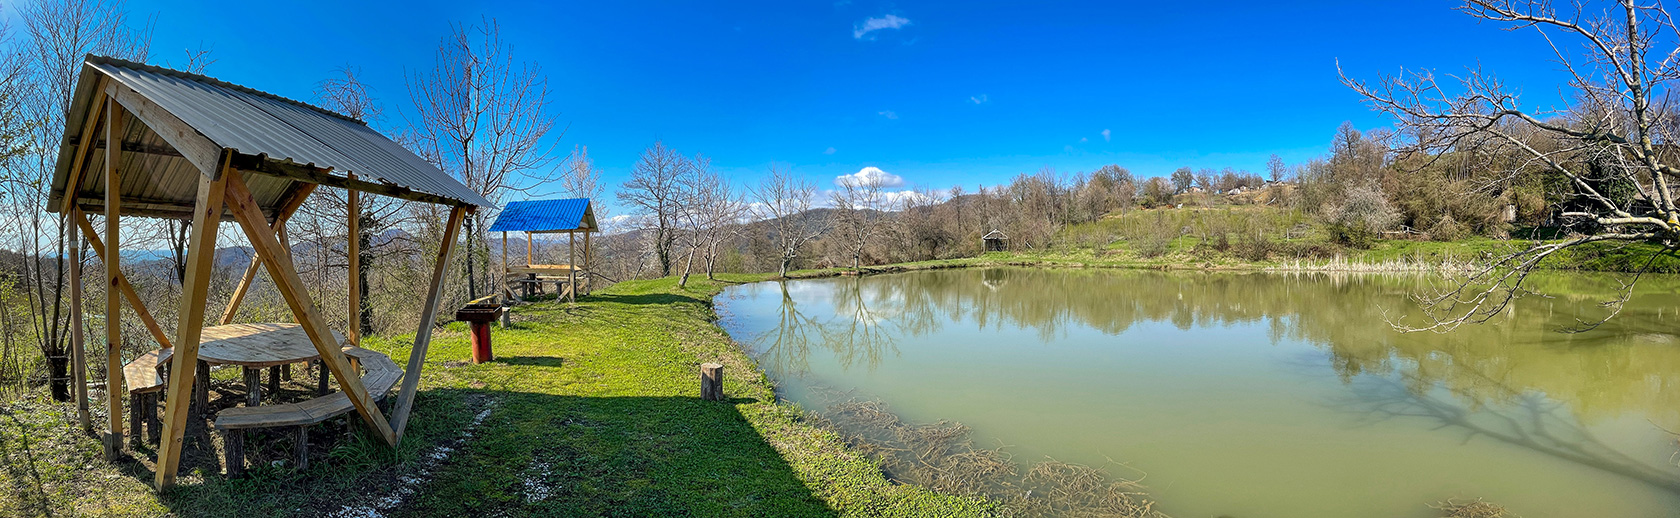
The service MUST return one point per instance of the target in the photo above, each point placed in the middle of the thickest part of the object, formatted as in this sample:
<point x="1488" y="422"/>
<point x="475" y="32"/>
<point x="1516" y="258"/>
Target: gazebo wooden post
<point x="113" y="269"/>
<point x="506" y="273"/>
<point x="268" y="244"/>
<point x="134" y="302"/>
<point x="588" y="279"/>
<point x="72" y="190"/>
<point x="353" y="202"/>
<point x="571" y="263"/>
<point x="285" y="214"/>
<point x="183" y="365"/>
<point x="428" y="313"/>
<point x="78" y="344"/>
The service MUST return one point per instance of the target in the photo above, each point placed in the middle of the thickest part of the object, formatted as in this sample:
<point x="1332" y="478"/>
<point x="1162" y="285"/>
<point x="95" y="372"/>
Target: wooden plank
<point x="78" y="343"/>
<point x="73" y="185"/>
<point x="285" y="213"/>
<point x="194" y="146"/>
<point x="127" y="289"/>
<point x="428" y="314"/>
<point x="528" y="248"/>
<point x="291" y="287"/>
<point x="113" y="272"/>
<point x="194" y="290"/>
<point x="354" y="203"/>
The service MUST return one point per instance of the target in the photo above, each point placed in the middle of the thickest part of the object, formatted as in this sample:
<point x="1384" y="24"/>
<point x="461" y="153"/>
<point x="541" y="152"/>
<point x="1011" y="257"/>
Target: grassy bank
<point x="590" y="410"/>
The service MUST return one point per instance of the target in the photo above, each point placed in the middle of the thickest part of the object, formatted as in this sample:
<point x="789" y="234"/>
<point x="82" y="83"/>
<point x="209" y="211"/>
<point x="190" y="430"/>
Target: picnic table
<point x="256" y="346"/>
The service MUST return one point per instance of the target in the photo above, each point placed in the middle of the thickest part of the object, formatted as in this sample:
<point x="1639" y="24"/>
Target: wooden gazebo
<point x="571" y="216"/>
<point x="152" y="142"/>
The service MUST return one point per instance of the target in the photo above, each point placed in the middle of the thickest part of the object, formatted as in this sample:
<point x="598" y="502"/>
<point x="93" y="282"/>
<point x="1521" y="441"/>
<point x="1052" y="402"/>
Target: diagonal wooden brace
<point x="267" y="245"/>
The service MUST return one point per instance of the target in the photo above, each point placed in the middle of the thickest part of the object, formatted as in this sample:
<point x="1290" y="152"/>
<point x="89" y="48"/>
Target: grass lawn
<point x="590" y="409"/>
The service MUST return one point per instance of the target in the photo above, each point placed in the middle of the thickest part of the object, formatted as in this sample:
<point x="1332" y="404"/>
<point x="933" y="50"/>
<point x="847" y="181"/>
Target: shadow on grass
<point x="534" y="361"/>
<point x="533" y="454"/>
<point x="646" y="298"/>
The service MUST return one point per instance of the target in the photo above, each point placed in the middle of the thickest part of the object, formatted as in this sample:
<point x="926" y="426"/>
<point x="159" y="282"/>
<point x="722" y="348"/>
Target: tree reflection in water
<point x="1515" y="379"/>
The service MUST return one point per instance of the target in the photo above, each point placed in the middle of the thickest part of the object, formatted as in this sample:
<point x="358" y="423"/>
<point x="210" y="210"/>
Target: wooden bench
<point x="144" y="380"/>
<point x="380" y="374"/>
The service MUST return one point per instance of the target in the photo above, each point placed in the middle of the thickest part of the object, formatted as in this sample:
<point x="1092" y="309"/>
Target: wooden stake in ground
<point x="711" y="381"/>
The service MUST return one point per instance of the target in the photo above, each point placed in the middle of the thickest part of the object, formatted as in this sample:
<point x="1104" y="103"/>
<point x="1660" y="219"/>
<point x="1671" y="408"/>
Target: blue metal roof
<point x="546" y="215"/>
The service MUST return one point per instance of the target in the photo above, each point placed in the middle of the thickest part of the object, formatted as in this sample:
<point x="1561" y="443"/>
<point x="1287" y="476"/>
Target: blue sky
<point x="937" y="93"/>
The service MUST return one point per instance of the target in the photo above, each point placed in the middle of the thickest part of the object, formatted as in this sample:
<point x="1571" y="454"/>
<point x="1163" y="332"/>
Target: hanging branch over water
<point x="1611" y="148"/>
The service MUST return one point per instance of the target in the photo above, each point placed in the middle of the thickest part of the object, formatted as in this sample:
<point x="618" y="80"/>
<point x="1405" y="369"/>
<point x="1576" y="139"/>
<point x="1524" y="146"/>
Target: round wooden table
<point x="254" y="346"/>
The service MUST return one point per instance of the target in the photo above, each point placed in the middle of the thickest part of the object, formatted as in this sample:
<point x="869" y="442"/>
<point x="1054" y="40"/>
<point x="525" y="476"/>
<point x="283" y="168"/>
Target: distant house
<point x="995" y="240"/>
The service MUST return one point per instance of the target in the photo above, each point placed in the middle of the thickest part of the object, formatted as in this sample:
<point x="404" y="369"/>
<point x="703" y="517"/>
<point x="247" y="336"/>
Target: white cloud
<point x="1106" y="134"/>
<point x="1083" y="140"/>
<point x="829" y="151"/>
<point x="889" y="114"/>
<point x="624" y="223"/>
<point x="870" y="174"/>
<point x="979" y="99"/>
<point x="870" y="25"/>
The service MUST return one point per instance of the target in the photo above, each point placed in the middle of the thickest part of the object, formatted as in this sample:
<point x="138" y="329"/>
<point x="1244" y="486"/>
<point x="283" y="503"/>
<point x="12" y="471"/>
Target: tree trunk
<point x="60" y="376"/>
<point x="472" y="279"/>
<point x="688" y="266"/>
<point x="365" y="311"/>
<point x="785" y="261"/>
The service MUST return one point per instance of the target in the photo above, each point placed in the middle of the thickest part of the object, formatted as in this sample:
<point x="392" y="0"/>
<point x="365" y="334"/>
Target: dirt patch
<point x="408" y="484"/>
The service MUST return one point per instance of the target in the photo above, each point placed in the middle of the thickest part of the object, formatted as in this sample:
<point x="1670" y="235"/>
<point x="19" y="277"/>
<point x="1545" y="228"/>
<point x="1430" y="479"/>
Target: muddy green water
<point x="1256" y="395"/>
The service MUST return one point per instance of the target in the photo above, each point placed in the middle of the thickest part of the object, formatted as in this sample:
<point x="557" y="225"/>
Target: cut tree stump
<point x="711" y="381"/>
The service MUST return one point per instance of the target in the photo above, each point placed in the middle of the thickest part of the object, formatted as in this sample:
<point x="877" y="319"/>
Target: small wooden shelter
<point x="995" y="241"/>
<point x="147" y="141"/>
<point x="569" y="216"/>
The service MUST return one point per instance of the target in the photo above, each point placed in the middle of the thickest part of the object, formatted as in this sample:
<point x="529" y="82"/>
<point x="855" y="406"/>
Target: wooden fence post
<point x="711" y="381"/>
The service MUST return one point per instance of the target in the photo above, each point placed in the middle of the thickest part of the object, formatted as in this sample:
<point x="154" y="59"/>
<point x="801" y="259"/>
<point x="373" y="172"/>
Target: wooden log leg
<point x="253" y="386"/>
<point x="286" y="372"/>
<point x="300" y="447"/>
<point x="274" y="380"/>
<point x="134" y="403"/>
<point x="321" y="376"/>
<point x="201" y="388"/>
<point x="711" y="381"/>
<point x="153" y="430"/>
<point x="233" y="450"/>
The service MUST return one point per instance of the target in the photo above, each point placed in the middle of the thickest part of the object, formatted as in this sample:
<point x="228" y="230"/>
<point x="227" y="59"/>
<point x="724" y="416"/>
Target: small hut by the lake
<point x="995" y="241"/>
<point x="570" y="216"/>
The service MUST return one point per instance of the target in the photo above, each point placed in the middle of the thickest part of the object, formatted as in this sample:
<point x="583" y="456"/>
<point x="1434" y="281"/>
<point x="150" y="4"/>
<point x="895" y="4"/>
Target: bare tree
<point x="654" y="190"/>
<point x="484" y="118"/>
<point x="376" y="215"/>
<point x="785" y="201"/>
<point x="1276" y="168"/>
<point x="59" y="34"/>
<point x="857" y="222"/>
<point x="710" y="212"/>
<point x="1612" y="146"/>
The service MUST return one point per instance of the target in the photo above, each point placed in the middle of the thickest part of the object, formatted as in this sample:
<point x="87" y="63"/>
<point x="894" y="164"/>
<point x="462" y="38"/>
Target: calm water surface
<point x="1255" y="395"/>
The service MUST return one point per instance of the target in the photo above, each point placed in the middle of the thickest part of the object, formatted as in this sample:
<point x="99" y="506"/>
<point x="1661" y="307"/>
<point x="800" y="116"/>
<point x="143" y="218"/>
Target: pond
<point x="1254" y="395"/>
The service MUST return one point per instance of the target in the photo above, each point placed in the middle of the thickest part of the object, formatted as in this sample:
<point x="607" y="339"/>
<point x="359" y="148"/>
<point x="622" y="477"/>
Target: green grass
<point x="593" y="409"/>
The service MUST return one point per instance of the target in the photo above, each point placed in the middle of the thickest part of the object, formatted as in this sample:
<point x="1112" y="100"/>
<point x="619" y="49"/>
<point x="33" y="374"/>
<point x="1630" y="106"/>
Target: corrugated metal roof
<point x="545" y="215"/>
<point x="253" y="123"/>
